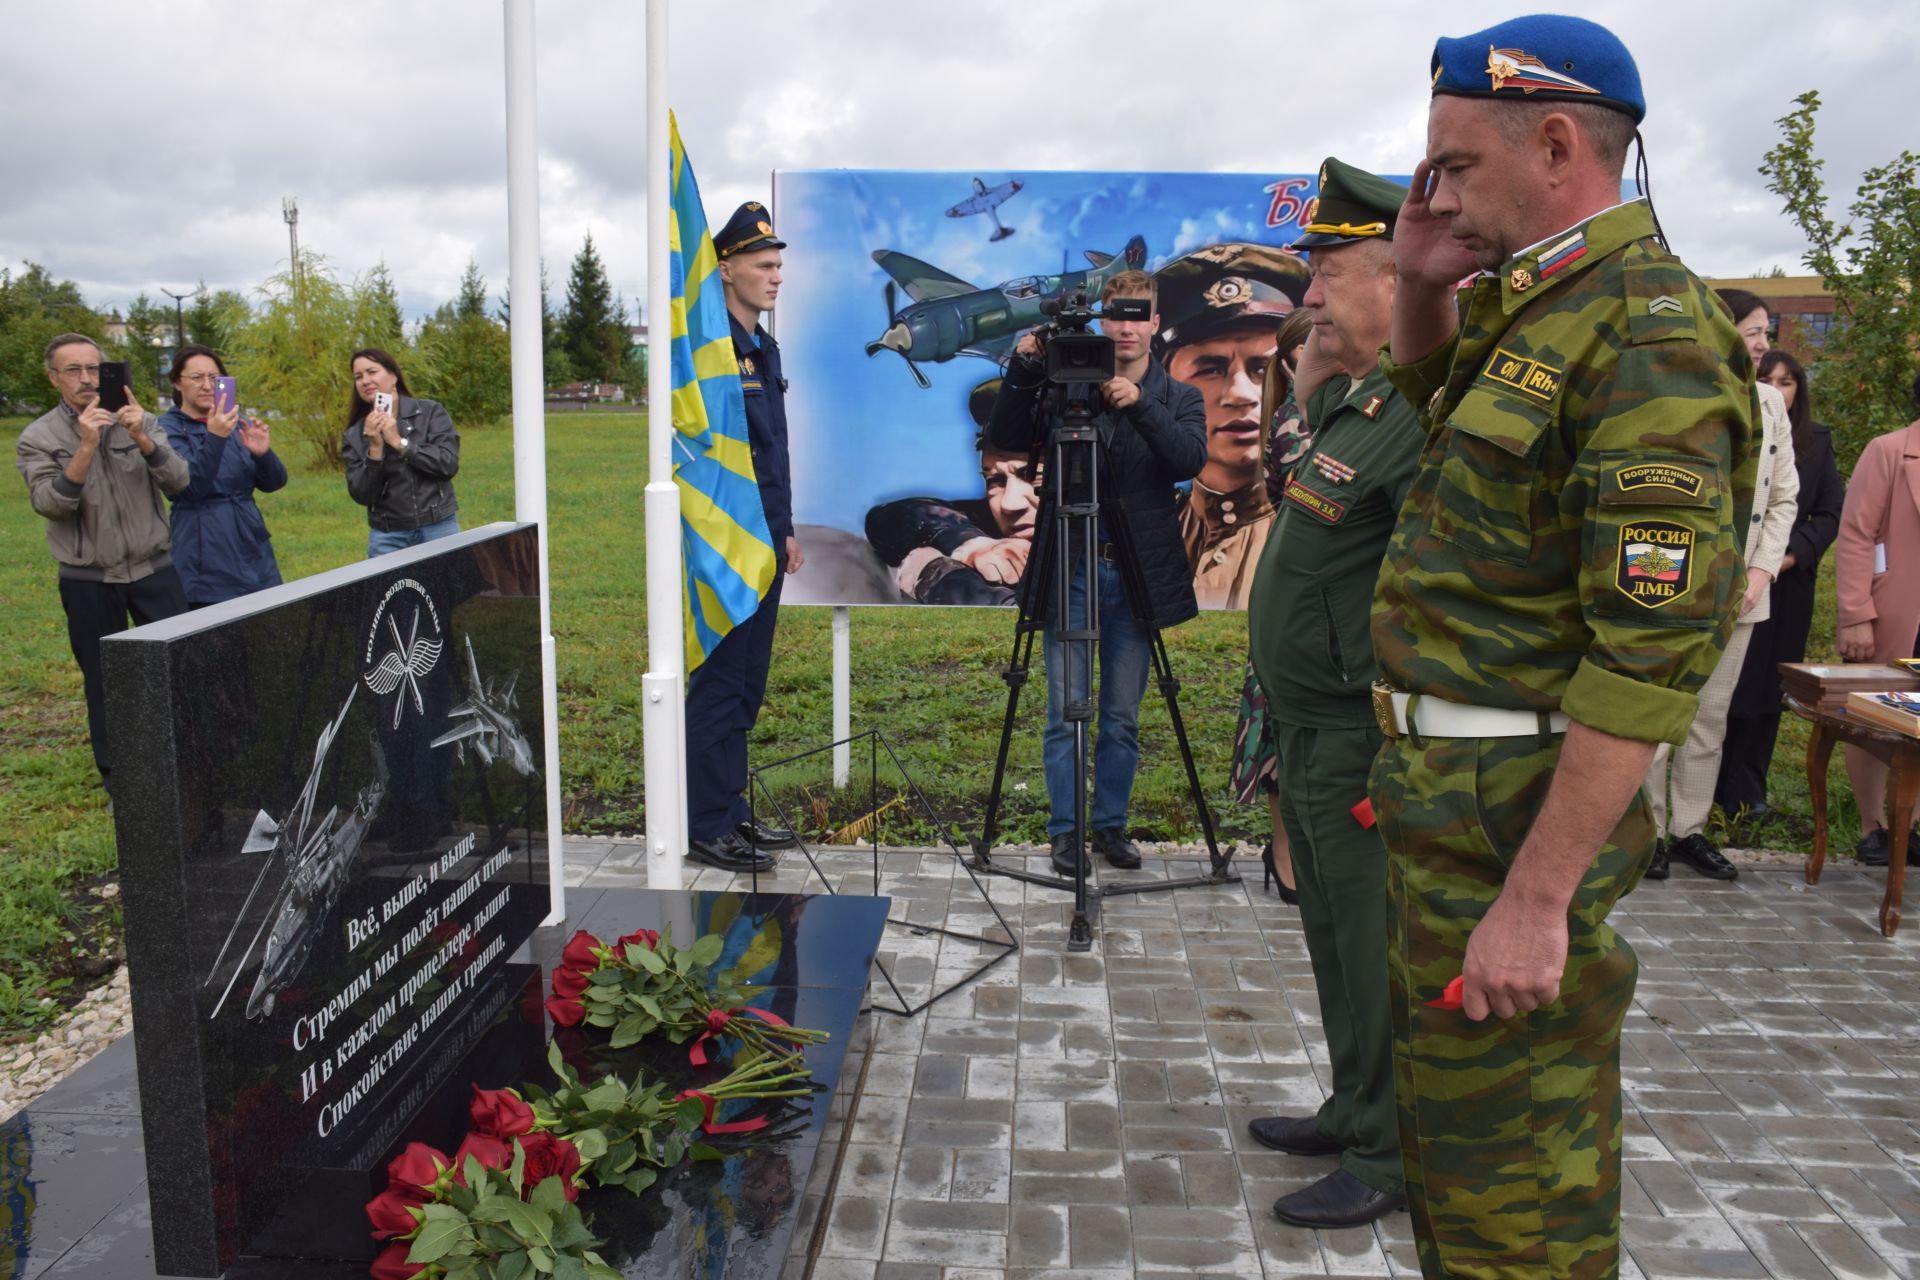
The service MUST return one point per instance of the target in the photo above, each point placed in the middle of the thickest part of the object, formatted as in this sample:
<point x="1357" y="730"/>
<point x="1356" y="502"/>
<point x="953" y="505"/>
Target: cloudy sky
<point x="150" y="144"/>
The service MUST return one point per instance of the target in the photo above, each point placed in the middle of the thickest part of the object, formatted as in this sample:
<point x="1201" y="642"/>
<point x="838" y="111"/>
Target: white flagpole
<point x="664" y="722"/>
<point x="529" y="407"/>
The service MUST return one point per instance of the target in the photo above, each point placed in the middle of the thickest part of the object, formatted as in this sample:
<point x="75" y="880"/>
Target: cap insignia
<point x="1228" y="291"/>
<point x="1521" y="279"/>
<point x="766" y="228"/>
<point x="1511" y="68"/>
<point x="1311" y="213"/>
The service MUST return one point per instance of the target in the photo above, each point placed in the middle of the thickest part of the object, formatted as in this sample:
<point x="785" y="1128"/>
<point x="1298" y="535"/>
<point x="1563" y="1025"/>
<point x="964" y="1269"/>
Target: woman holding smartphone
<point x="401" y="456"/>
<point x="220" y="543"/>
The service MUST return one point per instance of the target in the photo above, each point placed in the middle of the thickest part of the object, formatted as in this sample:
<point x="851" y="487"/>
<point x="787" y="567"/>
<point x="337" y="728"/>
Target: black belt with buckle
<point x="1109" y="553"/>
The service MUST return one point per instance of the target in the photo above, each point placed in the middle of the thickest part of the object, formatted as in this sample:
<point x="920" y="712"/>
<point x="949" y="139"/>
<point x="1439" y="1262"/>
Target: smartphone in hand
<point x="226" y="396"/>
<point x="113" y="385"/>
<point x="383" y="402"/>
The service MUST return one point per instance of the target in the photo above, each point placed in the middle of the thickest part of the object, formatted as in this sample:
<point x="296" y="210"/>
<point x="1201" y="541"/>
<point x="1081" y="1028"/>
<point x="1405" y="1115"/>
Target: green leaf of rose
<point x="443" y="1227"/>
<point x="628" y="1031"/>
<point x="568" y="1267"/>
<point x="542" y="1260"/>
<point x="535" y="1227"/>
<point x="652" y="962"/>
<point x="492" y="1209"/>
<point x="512" y="1266"/>
<point x="571" y="1233"/>
<point x="707" y="950"/>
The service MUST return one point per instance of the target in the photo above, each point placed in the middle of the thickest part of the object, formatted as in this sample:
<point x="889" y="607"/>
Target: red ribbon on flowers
<point x="717" y="1021"/>
<point x="1363" y="813"/>
<point x="707" y="1100"/>
<point x="1453" y="997"/>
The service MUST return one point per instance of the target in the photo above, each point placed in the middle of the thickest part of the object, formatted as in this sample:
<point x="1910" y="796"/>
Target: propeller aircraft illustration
<point x="988" y="200"/>
<point x="949" y="317"/>
<point x="318" y="856"/>
<point x="485" y="723"/>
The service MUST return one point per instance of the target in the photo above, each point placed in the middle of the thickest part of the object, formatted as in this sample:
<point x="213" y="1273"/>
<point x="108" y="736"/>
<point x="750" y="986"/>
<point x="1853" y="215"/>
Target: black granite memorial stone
<point x="331" y="822"/>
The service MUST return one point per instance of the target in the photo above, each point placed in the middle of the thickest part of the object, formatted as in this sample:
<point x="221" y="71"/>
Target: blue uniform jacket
<point x="766" y="392"/>
<point x="220" y="542"/>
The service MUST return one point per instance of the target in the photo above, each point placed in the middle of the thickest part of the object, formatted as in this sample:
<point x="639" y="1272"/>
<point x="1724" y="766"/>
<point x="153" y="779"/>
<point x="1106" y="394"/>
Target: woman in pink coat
<point x="1876" y="562"/>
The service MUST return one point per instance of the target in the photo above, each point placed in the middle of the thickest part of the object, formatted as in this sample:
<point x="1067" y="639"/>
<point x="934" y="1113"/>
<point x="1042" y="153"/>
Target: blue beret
<point x="1541" y="57"/>
<point x="750" y="228"/>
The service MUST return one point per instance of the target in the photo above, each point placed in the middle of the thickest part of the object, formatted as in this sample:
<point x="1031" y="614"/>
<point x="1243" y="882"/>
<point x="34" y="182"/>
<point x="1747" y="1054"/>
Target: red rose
<point x="647" y="938"/>
<point x="490" y="1151"/>
<point x="392" y="1264"/>
<point x="569" y="983"/>
<point x="499" y="1113"/>
<point x="419" y="1166"/>
<point x="579" y="952"/>
<point x="391" y="1214"/>
<point x="550" y="1157"/>
<point x="566" y="1013"/>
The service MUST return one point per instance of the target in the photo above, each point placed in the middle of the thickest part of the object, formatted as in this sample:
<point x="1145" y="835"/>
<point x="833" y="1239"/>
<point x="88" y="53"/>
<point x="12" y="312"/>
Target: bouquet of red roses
<point x="643" y="985"/>
<point x="502" y="1208"/>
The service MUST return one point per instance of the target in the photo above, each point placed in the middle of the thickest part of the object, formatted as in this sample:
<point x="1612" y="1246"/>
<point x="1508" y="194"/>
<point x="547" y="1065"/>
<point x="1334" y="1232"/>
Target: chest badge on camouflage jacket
<point x="1656" y="562"/>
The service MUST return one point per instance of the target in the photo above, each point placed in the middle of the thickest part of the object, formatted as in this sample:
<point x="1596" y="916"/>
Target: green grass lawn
<point x="929" y="680"/>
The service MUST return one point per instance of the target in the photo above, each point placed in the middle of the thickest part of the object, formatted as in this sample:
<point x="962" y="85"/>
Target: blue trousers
<point x="381" y="541"/>
<point x="1125" y="653"/>
<point x="723" y="700"/>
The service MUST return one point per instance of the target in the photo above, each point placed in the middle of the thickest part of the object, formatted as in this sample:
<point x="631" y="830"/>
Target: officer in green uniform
<point x="1561" y="583"/>
<point x="1308" y="621"/>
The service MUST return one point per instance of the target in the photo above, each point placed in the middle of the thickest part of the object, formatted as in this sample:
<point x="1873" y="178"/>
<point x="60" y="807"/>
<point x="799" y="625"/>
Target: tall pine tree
<point x="592" y="329"/>
<point x="472" y="300"/>
<point x="383" y="326"/>
<point x="556" y="367"/>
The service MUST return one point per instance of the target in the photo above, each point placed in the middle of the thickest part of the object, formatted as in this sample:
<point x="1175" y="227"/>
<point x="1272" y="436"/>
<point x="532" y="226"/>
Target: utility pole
<point x="291" y="212"/>
<point x="179" y="315"/>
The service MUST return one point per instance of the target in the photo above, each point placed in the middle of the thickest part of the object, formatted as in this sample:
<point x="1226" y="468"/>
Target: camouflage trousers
<point x="1509" y="1129"/>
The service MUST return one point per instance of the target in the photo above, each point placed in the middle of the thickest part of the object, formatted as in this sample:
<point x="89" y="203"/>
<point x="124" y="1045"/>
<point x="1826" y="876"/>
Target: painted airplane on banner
<point x="949" y="317"/>
<point x="988" y="200"/>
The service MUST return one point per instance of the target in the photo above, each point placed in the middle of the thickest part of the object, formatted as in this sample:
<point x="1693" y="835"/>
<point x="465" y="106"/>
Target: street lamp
<point x="179" y="315"/>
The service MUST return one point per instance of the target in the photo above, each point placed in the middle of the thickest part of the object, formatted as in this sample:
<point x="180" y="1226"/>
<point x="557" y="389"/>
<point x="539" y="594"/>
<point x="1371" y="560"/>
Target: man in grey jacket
<point x="100" y="478"/>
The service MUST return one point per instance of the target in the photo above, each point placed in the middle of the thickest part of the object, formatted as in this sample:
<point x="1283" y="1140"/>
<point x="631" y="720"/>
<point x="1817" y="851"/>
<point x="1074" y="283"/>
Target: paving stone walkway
<point x="1085" y="1116"/>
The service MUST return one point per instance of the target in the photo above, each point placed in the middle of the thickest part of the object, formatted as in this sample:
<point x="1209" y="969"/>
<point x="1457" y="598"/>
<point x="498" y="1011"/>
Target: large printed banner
<point x="903" y="296"/>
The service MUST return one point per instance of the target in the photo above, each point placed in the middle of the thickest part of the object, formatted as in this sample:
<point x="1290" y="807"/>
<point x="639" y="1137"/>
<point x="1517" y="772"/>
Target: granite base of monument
<point x="74" y="1191"/>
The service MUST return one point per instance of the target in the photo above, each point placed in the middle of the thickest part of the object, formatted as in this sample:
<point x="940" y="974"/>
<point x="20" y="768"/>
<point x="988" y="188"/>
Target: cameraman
<point x="1154" y="433"/>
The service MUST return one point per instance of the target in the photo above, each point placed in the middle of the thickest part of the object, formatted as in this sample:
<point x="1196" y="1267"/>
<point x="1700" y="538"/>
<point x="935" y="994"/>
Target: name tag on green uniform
<point x="1318" y="503"/>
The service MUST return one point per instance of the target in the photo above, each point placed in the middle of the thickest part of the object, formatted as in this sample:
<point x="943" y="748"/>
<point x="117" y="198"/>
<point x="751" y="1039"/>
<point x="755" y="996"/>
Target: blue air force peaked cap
<point x="750" y="228"/>
<point x="1541" y="57"/>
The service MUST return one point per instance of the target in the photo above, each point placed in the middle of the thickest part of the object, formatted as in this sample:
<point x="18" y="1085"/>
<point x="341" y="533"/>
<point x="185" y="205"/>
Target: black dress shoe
<point x="1066" y="859"/>
<point x="729" y="853"/>
<point x="761" y="836"/>
<point x="1337" y="1200"/>
<point x="1295" y="1135"/>
<point x="1872" y="849"/>
<point x="1116" y="848"/>
<point x="1658" y="869"/>
<point x="1698" y="852"/>
<point x="1270" y="876"/>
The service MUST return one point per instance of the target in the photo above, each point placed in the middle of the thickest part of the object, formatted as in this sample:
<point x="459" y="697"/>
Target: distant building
<point x="1800" y="306"/>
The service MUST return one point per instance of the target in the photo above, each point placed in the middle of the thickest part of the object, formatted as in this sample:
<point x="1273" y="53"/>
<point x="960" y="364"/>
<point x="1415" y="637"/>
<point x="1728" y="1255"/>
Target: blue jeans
<point x="381" y="541"/>
<point x="1125" y="654"/>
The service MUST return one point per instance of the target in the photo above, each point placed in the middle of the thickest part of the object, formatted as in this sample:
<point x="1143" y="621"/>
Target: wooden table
<point x="1901" y="755"/>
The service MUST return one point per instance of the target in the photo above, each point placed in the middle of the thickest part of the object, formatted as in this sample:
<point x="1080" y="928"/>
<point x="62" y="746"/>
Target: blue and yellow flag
<point x="726" y="549"/>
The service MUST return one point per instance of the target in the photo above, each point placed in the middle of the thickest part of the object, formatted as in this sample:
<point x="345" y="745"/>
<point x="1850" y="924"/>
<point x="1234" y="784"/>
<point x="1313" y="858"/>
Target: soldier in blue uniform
<point x="725" y="691"/>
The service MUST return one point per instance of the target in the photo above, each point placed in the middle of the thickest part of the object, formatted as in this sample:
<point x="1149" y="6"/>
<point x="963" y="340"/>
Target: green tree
<point x="464" y="360"/>
<point x="556" y="368"/>
<point x="472" y="299"/>
<point x="292" y="358"/>
<point x="216" y="316"/>
<point x="1865" y="370"/>
<point x="149" y="333"/>
<point x="382" y="323"/>
<point x="592" y="328"/>
<point x="34" y="307"/>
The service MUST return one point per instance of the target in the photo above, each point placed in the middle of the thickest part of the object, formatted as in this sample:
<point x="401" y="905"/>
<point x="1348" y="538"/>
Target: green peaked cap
<point x="1352" y="205"/>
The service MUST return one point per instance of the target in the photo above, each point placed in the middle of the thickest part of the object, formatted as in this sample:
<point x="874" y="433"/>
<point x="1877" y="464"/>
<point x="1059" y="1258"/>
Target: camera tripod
<point x="1071" y="509"/>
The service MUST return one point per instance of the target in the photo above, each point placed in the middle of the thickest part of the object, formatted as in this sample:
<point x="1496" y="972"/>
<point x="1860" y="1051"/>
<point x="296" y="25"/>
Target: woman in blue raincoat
<point x="220" y="542"/>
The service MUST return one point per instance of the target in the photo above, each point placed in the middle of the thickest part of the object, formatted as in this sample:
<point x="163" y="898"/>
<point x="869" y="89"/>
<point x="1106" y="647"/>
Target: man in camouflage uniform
<point x="1561" y="583"/>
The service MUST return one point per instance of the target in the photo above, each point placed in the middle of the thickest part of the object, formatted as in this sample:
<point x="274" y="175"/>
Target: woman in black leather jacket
<point x="400" y="459"/>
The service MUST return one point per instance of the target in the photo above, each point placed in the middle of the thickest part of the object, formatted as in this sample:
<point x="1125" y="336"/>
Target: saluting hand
<point x="1425" y="254"/>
